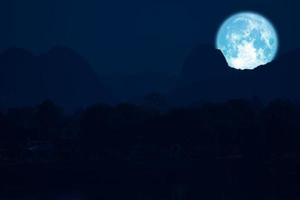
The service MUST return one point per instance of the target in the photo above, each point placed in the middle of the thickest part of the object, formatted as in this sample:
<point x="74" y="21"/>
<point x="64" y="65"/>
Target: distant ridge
<point x="60" y="75"/>
<point x="206" y="77"/>
<point x="65" y="77"/>
<point x="204" y="62"/>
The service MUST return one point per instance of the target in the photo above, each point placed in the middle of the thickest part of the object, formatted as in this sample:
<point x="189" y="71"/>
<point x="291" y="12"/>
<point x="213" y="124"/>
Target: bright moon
<point x="247" y="40"/>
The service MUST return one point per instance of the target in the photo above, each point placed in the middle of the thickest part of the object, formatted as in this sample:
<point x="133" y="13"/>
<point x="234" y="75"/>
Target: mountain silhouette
<point x="135" y="86"/>
<point x="63" y="76"/>
<point x="60" y="75"/>
<point x="69" y="79"/>
<point x="203" y="63"/>
<point x="207" y="77"/>
<point x="280" y="78"/>
<point x="20" y="79"/>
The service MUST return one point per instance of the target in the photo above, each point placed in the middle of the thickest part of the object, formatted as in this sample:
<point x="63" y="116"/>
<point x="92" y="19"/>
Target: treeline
<point x="140" y="135"/>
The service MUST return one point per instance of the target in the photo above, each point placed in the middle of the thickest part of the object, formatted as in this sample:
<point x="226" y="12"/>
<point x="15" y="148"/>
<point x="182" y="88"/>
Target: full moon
<point x="247" y="40"/>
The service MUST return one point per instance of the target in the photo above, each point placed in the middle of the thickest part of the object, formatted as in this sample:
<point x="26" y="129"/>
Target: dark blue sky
<point x="119" y="36"/>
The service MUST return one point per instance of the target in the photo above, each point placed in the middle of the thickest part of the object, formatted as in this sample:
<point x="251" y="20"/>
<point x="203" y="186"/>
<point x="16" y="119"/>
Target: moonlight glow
<point x="247" y="40"/>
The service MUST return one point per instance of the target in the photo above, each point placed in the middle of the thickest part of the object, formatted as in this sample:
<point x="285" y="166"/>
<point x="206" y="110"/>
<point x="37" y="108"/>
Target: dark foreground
<point x="223" y="178"/>
<point x="237" y="150"/>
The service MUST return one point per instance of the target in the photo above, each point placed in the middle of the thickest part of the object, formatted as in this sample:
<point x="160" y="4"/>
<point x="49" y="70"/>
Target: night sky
<point x="119" y="37"/>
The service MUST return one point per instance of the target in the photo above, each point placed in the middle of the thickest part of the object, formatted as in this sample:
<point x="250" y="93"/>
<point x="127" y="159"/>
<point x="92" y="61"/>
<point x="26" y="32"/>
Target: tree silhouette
<point x="48" y="120"/>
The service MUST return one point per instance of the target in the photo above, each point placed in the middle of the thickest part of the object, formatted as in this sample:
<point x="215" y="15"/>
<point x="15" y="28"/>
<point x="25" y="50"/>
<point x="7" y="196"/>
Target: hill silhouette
<point x="203" y="63"/>
<point x="20" y="78"/>
<point x="206" y="77"/>
<point x="66" y="78"/>
<point x="69" y="79"/>
<point x="60" y="75"/>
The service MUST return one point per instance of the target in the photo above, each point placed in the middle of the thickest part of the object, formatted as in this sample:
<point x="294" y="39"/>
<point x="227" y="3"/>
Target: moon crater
<point x="247" y="40"/>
